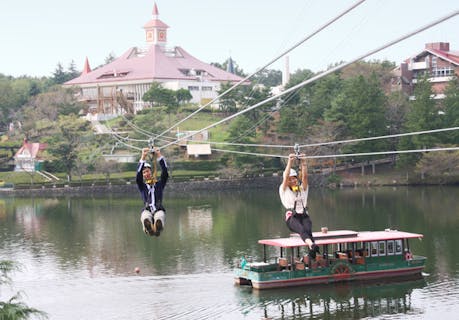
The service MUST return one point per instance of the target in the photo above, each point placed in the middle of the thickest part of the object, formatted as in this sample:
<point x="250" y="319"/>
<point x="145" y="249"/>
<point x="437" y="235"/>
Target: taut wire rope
<point x="325" y="73"/>
<point x="267" y="64"/>
<point x="342" y="155"/>
<point x="339" y="141"/>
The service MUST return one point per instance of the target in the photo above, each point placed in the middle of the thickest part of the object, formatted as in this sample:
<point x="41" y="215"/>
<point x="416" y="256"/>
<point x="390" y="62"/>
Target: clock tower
<point x="156" y="30"/>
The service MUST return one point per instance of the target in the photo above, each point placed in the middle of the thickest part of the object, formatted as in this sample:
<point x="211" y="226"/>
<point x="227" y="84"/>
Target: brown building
<point x="437" y="61"/>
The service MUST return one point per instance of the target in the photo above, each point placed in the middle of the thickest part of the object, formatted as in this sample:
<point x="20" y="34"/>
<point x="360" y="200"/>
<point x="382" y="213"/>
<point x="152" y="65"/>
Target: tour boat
<point x="345" y="255"/>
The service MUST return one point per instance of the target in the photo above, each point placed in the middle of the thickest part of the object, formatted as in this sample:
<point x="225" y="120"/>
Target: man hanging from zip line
<point x="153" y="217"/>
<point x="294" y="197"/>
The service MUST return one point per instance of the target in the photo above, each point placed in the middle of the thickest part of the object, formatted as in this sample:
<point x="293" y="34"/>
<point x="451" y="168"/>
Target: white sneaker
<point x="159" y="219"/>
<point x="146" y="218"/>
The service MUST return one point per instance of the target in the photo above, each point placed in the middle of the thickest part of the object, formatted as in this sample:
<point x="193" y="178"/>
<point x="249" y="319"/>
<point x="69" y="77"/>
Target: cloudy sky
<point x="36" y="35"/>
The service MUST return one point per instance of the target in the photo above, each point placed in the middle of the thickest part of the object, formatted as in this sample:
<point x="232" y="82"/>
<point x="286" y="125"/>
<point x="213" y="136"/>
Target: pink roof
<point x="341" y="236"/>
<point x="154" y="65"/>
<point x="33" y="148"/>
<point x="452" y="56"/>
<point x="86" y="68"/>
<point x="155" y="22"/>
<point x="447" y="55"/>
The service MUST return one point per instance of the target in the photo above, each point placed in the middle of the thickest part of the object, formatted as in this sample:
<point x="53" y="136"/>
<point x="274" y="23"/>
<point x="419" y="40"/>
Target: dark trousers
<point x="301" y="224"/>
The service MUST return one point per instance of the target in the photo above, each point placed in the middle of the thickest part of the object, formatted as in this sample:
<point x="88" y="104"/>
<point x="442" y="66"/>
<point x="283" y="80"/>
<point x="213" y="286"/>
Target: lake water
<point x="78" y="255"/>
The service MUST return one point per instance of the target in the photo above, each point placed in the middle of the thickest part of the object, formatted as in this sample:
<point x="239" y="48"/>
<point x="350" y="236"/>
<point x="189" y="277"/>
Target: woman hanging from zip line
<point x="294" y="197"/>
<point x="153" y="217"/>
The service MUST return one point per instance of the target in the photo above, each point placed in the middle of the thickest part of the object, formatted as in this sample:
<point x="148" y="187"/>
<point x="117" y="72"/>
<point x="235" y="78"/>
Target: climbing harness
<point x="296" y="188"/>
<point x="152" y="159"/>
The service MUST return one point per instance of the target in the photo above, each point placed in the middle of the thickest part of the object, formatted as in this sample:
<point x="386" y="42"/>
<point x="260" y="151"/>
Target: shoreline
<point x="259" y="182"/>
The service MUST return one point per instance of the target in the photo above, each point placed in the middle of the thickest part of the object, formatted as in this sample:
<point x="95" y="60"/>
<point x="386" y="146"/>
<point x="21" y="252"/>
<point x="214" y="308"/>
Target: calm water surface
<point x="78" y="255"/>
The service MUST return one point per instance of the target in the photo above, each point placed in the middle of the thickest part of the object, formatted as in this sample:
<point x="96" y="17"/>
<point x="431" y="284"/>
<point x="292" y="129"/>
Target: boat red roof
<point x="341" y="236"/>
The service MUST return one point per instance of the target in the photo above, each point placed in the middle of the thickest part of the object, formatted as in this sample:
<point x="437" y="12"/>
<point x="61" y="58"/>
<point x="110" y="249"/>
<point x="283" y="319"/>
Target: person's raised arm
<point x="304" y="171"/>
<point x="286" y="174"/>
<point x="144" y="154"/>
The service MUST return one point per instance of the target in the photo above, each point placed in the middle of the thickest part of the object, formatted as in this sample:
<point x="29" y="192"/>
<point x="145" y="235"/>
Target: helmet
<point x="146" y="165"/>
<point x="293" y="173"/>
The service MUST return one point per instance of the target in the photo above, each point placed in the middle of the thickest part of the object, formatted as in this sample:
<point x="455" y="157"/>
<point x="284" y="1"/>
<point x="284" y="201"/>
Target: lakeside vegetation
<point x="356" y="102"/>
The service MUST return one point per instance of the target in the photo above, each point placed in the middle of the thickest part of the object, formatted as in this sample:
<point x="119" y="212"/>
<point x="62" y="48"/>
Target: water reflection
<point x="343" y="301"/>
<point x="80" y="242"/>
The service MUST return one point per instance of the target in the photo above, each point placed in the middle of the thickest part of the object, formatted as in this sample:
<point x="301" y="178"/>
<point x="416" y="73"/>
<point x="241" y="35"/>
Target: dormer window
<point x="113" y="74"/>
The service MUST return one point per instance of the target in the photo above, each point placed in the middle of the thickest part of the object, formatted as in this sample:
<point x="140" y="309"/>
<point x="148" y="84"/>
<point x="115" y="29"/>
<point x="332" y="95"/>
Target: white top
<point x="288" y="198"/>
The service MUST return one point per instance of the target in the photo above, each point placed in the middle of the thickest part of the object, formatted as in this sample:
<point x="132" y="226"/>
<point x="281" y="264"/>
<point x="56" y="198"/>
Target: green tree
<point x="14" y="309"/>
<point x="66" y="144"/>
<point x="294" y="106"/>
<point x="39" y="115"/>
<point x="322" y="94"/>
<point x="396" y="110"/>
<point x="241" y="130"/>
<point x="14" y="93"/>
<point x="422" y="115"/>
<point x="450" y="115"/>
<point x="59" y="75"/>
<point x="442" y="166"/>
<point x="183" y="96"/>
<point x="268" y="78"/>
<point x="228" y="102"/>
<point x="360" y="106"/>
<point x="159" y="96"/>
<point x="237" y="70"/>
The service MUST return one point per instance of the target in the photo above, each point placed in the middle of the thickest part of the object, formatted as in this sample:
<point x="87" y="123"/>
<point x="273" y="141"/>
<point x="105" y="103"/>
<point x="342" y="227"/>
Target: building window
<point x="442" y="72"/>
<point x="434" y="61"/>
<point x="193" y="88"/>
<point x="205" y="88"/>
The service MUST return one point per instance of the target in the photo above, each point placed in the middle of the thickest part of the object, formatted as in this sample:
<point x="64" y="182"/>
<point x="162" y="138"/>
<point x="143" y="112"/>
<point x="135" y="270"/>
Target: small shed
<point x="28" y="156"/>
<point x="198" y="150"/>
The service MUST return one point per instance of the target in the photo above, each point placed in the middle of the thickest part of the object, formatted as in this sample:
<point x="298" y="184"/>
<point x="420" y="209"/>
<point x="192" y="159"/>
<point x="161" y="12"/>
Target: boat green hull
<point x="265" y="276"/>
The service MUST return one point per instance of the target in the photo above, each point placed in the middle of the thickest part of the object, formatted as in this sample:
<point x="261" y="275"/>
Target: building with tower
<point x="119" y="86"/>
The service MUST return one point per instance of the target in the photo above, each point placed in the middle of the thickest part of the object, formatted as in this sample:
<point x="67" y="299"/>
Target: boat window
<point x="382" y="248"/>
<point x="367" y="249"/>
<point x="374" y="249"/>
<point x="398" y="246"/>
<point x="390" y="248"/>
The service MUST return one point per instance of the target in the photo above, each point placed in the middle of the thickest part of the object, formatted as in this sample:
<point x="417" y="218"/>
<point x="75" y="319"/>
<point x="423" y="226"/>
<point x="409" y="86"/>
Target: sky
<point x="36" y="35"/>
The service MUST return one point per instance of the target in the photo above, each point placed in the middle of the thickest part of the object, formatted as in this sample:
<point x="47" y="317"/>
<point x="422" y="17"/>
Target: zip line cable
<point x="340" y="141"/>
<point x="149" y="134"/>
<point x="267" y="64"/>
<point x="341" y="155"/>
<point x="325" y="73"/>
<point x="382" y="153"/>
<point x="119" y="137"/>
<point x="380" y="137"/>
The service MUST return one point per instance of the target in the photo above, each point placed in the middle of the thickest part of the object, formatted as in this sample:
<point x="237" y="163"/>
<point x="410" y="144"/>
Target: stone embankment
<point x="185" y="186"/>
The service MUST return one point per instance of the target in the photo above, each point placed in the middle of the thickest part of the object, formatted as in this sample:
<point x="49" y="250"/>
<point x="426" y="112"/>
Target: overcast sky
<point x="37" y="34"/>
